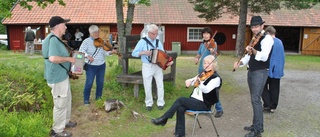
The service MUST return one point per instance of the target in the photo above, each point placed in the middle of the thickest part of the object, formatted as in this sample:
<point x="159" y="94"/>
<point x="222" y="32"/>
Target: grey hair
<point x="152" y="27"/>
<point x="271" y="30"/>
<point x="93" y="28"/>
<point x="211" y="58"/>
<point x="28" y="28"/>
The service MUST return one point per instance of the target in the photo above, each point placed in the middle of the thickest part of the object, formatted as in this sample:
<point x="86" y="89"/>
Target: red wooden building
<point x="297" y="29"/>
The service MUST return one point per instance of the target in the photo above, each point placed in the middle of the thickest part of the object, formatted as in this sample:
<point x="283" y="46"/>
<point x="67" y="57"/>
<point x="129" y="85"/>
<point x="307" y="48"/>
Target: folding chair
<point x="208" y="113"/>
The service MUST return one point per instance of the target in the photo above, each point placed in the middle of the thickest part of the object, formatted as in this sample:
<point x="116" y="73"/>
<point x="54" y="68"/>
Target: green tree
<point x="125" y="26"/>
<point x="214" y="9"/>
<point x="6" y="5"/>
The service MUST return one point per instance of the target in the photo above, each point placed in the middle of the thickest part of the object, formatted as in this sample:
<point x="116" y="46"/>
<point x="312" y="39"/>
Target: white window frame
<point x="200" y="39"/>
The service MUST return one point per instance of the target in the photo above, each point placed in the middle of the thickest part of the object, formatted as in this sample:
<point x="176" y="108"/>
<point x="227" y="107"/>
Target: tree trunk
<point x="120" y="27"/>
<point x="241" y="28"/>
<point x="129" y="20"/>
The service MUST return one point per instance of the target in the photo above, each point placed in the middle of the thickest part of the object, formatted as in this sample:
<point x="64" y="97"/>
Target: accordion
<point x="160" y="58"/>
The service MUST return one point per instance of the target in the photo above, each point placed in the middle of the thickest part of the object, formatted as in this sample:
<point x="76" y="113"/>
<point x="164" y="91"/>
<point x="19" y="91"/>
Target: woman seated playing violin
<point x="204" y="95"/>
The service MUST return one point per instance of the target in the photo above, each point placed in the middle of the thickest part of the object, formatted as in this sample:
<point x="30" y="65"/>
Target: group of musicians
<point x="206" y="84"/>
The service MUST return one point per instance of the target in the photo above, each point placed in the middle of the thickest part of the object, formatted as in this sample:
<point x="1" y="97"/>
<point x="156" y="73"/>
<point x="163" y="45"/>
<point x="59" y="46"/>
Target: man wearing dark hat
<point x="258" y="64"/>
<point x="56" y="60"/>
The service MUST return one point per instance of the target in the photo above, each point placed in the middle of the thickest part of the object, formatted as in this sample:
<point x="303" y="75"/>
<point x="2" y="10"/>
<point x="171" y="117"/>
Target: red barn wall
<point x="16" y="33"/>
<point x="178" y="33"/>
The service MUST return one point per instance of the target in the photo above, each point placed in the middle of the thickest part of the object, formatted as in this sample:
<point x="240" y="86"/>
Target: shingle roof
<point x="160" y="12"/>
<point x="79" y="11"/>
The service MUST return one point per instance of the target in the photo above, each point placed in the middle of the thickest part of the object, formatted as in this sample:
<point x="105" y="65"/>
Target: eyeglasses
<point x="154" y="34"/>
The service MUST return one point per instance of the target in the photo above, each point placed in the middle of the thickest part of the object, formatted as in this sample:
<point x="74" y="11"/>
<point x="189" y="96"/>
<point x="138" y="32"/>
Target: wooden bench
<point x="136" y="77"/>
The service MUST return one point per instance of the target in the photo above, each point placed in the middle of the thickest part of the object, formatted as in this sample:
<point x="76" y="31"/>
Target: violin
<point x="255" y="39"/>
<point x="99" y="42"/>
<point x="211" y="44"/>
<point x="203" y="76"/>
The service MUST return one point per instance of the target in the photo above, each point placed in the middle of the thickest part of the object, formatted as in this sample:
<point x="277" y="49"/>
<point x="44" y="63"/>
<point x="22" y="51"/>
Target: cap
<point x="256" y="20"/>
<point x="55" y="20"/>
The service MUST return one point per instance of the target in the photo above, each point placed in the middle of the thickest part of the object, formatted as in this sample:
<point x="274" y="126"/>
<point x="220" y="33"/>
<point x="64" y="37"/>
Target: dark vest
<point x="258" y="65"/>
<point x="213" y="96"/>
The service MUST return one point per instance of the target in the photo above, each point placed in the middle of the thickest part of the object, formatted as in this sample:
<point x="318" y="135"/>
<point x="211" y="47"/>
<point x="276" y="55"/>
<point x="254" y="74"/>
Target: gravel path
<point x="296" y="116"/>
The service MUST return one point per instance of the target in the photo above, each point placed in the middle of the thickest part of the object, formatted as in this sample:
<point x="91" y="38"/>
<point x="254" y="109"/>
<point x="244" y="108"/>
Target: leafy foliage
<point x="19" y="124"/>
<point x="23" y="90"/>
<point x="6" y="5"/>
<point x="213" y="9"/>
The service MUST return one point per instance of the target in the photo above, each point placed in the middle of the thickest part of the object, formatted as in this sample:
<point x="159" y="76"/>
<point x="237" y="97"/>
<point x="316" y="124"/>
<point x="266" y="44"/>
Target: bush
<point x="3" y="47"/>
<point x="23" y="90"/>
<point x="25" y="99"/>
<point x="19" y="124"/>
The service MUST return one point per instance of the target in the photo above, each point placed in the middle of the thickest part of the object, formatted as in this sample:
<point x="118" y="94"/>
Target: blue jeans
<point x="92" y="72"/>
<point x="256" y="81"/>
<point x="218" y="106"/>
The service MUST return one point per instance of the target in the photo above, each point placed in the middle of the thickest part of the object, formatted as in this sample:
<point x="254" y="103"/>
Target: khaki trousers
<point x="61" y="94"/>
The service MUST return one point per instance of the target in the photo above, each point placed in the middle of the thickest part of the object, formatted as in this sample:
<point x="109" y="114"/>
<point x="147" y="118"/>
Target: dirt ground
<point x="297" y="114"/>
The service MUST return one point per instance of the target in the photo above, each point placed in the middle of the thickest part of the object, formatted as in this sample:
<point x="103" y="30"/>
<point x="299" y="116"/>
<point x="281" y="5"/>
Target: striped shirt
<point x="89" y="49"/>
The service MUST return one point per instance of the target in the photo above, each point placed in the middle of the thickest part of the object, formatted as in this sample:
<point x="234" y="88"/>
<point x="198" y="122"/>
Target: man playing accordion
<point x="149" y="70"/>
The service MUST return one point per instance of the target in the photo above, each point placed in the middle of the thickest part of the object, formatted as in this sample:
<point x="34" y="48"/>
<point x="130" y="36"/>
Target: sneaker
<point x="87" y="103"/>
<point x="71" y="124"/>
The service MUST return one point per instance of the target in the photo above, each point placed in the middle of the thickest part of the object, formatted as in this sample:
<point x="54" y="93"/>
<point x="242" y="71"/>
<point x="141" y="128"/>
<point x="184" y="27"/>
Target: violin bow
<point x="251" y="44"/>
<point x="204" y="69"/>
<point x="211" y="45"/>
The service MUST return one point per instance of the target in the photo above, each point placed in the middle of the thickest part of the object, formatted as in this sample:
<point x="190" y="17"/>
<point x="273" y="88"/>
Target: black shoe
<point x="268" y="110"/>
<point x="179" y="136"/>
<point x="160" y="107"/>
<point x="52" y="133"/>
<point x="160" y="121"/>
<point x="71" y="124"/>
<point x="61" y="134"/>
<point x="253" y="134"/>
<point x="250" y="128"/>
<point x="218" y="114"/>
<point x="148" y="108"/>
<point x="272" y="110"/>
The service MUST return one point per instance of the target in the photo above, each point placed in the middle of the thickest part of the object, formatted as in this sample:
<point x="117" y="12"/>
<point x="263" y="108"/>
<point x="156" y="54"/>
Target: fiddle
<point x="99" y="42"/>
<point x="211" y="43"/>
<point x="255" y="39"/>
<point x="203" y="76"/>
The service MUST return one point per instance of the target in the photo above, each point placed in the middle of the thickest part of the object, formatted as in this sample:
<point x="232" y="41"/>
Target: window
<point x="194" y="34"/>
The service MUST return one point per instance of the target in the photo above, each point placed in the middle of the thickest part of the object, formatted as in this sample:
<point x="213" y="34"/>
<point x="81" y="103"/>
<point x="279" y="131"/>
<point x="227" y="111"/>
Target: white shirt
<point x="266" y="46"/>
<point x="78" y="36"/>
